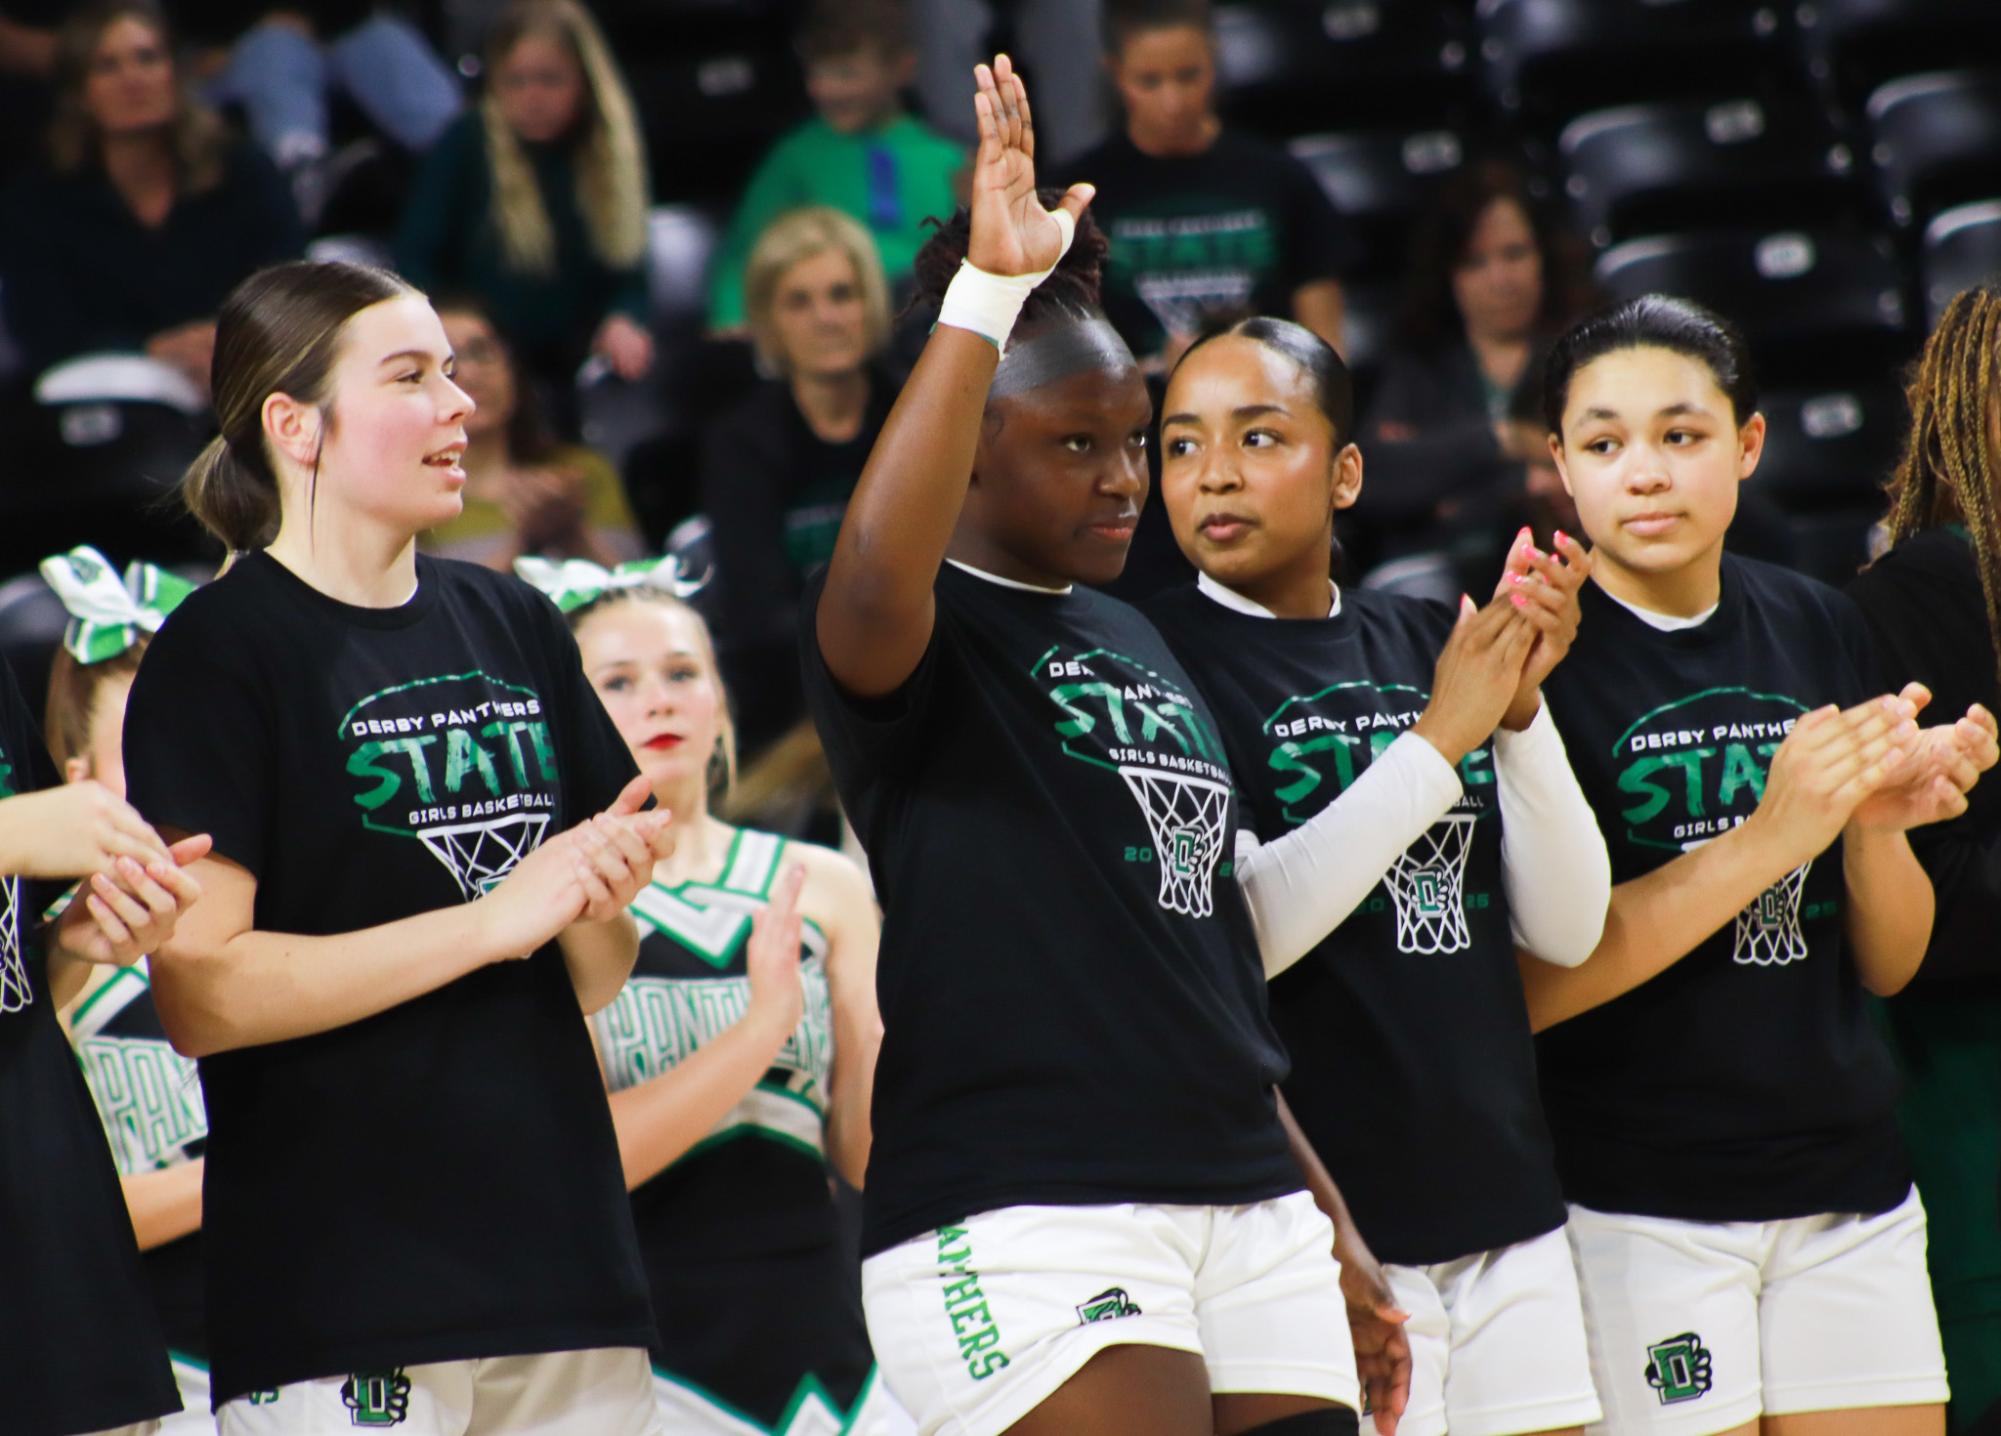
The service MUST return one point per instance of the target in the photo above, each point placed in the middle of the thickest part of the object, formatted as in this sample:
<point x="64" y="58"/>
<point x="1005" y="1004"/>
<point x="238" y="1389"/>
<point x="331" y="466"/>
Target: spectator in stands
<point x="860" y="154"/>
<point x="1934" y="604"/>
<point x="536" y="199"/>
<point x="1206" y="225"/>
<point x="147" y="214"/>
<point x="285" y="69"/>
<point x="525" y="493"/>
<point x="1491" y="283"/>
<point x="777" y="470"/>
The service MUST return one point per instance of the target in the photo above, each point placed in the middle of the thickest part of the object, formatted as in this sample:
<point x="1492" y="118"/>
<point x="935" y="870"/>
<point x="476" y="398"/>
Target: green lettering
<point x="1079" y="722"/>
<point x="366" y="762"/>
<point x="1740" y="770"/>
<point x="1289" y="758"/>
<point x="463" y="752"/>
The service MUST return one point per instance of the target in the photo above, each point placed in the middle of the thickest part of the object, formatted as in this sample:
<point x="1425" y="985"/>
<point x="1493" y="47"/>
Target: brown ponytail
<point x="278" y="332"/>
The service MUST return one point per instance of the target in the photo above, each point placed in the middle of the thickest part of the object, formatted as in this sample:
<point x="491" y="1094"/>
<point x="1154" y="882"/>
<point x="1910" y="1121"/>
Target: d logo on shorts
<point x="1678" y="1368"/>
<point x="1107" y="1306"/>
<point x="376" y="1398"/>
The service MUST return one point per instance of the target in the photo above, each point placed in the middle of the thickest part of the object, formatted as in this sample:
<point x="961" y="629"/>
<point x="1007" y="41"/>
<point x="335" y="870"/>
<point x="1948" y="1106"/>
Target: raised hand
<point x="1011" y="232"/>
<point x="126" y="913"/>
<point x="1477" y="676"/>
<point x="1829" y="764"/>
<point x="1931" y="784"/>
<point x="777" y="996"/>
<point x="1548" y="585"/>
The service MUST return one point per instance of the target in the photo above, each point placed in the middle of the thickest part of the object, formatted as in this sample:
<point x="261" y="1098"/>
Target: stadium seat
<point x="1935" y="139"/>
<point x="1832" y="547"/>
<point x="1962" y="248"/>
<point x="32" y="620"/>
<point x="1545" y="61"/>
<point x="1828" y="449"/>
<point x="1287" y="67"/>
<point x="708" y="117"/>
<point x="1820" y="307"/>
<point x="1368" y="331"/>
<point x="1849" y="47"/>
<point x="1657" y="168"/>
<point x="1380" y="183"/>
<point x="680" y="238"/>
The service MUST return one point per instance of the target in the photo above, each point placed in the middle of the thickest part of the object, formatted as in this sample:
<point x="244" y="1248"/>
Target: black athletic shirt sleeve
<point x="220" y="778"/>
<point x="596" y="758"/>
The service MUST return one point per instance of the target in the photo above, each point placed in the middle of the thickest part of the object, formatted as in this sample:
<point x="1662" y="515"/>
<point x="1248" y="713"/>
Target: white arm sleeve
<point x="1553" y="861"/>
<point x="1302" y="886"/>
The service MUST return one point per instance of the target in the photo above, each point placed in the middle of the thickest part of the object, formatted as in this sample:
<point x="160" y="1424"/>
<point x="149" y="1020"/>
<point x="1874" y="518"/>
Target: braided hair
<point x="1071" y="292"/>
<point x="1950" y="465"/>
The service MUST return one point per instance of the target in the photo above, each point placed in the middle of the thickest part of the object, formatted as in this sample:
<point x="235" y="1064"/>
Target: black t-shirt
<point x="1072" y="1001"/>
<point x="149" y="1100"/>
<point x="1413" y="1072"/>
<point x="754" y="1291"/>
<point x="1924" y="604"/>
<point x="1744" y="1083"/>
<point x="1230" y="232"/>
<point x="80" y="1346"/>
<point x="439" y="1181"/>
<point x="775" y="492"/>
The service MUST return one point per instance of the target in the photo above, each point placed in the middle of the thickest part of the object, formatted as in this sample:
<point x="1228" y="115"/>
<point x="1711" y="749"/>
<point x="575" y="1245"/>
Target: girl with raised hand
<point x="427" y="832"/>
<point x="1483" y="841"/>
<point x="1748" y="1240"/>
<point x="80" y="1344"/>
<point x="740" y="1053"/>
<point x="146" y="1094"/>
<point x="1076" y="1138"/>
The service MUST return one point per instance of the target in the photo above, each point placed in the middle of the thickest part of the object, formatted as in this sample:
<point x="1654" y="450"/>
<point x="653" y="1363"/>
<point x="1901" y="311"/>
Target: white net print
<point x="1186" y="816"/>
<point x="15" y="991"/>
<point x="481" y="854"/>
<point x="1768" y="931"/>
<point x="1428" y="885"/>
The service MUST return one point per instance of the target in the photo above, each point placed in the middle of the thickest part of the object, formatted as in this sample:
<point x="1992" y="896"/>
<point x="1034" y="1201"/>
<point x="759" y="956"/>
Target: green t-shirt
<point x="889" y="179"/>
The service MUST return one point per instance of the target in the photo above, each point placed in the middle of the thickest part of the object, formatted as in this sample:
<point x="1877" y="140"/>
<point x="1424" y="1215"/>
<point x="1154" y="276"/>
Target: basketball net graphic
<point x="1186" y="816"/>
<point x="479" y="855"/>
<point x="1428" y="886"/>
<point x="15" y="992"/>
<point x="1768" y="930"/>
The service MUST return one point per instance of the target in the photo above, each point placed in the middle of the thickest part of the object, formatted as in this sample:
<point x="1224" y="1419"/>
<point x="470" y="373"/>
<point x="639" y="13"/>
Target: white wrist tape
<point x="988" y="304"/>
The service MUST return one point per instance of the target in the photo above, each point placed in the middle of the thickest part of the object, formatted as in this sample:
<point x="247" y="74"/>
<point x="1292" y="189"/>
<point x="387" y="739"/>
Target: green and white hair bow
<point x="108" y="614"/>
<point x="576" y="582"/>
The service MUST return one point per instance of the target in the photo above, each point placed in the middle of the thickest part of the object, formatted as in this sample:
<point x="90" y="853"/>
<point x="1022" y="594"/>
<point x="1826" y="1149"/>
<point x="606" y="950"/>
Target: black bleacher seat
<point x="1935" y="139"/>
<point x="1656" y="168"/>
<point x="1545" y="61"/>
<point x="32" y="620"/>
<point x="709" y="116"/>
<point x="1821" y="307"/>
<point x="1962" y="248"/>
<point x="1849" y="47"/>
<point x="1369" y="328"/>
<point x="1829" y="448"/>
<point x="97" y="472"/>
<point x="1833" y="546"/>
<point x="1380" y="182"/>
<point x="1287" y="67"/>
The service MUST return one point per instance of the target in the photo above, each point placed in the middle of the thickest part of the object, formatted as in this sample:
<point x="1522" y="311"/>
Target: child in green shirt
<point x="860" y="154"/>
